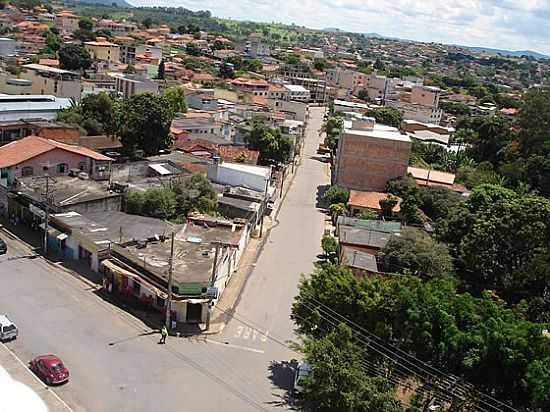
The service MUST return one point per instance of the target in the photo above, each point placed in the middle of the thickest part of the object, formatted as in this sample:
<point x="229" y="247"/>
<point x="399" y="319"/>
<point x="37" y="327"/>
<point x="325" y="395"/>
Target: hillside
<point x="117" y="3"/>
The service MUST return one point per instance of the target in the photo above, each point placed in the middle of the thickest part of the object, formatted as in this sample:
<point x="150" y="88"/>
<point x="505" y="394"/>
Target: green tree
<point x="336" y="194"/>
<point x="85" y="23"/>
<point x="147" y="22"/>
<point x="159" y="203"/>
<point x="414" y="252"/>
<point x="162" y="70"/>
<point x="145" y="123"/>
<point x="534" y="121"/>
<point x="320" y="65"/>
<point x="195" y="194"/>
<point x="329" y="244"/>
<point x="53" y="42"/>
<point x="333" y="127"/>
<point x="74" y="57"/>
<point x="130" y="69"/>
<point x="338" y="382"/>
<point x="363" y="94"/>
<point x="176" y="99"/>
<point x="431" y="320"/>
<point x="274" y="147"/>
<point x="387" y="115"/>
<point x="192" y="49"/>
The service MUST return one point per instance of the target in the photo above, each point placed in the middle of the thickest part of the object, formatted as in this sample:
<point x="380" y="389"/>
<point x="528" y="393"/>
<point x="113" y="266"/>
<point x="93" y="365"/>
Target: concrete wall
<point x="366" y="163"/>
<point x="107" y="204"/>
<point x="51" y="159"/>
<point x="49" y="85"/>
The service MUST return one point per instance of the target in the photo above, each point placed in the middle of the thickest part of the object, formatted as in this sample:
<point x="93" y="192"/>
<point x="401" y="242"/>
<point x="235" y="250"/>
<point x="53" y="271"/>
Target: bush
<point x="336" y="194"/>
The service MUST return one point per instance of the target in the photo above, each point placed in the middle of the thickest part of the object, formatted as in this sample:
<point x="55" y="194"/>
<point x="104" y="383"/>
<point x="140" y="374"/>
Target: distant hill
<point x="510" y="53"/>
<point x="118" y="3"/>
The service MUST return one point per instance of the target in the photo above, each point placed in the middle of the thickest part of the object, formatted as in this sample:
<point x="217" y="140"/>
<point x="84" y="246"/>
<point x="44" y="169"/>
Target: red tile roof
<point x="434" y="176"/>
<point x="29" y="147"/>
<point x="370" y="200"/>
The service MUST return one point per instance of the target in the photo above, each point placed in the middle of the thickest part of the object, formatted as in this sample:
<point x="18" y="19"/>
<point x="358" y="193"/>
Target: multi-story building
<point x="369" y="155"/>
<point x="253" y="86"/>
<point x="256" y="47"/>
<point x="66" y="21"/>
<point x="48" y="80"/>
<point x="345" y="78"/>
<point x="103" y="50"/>
<point x="130" y="85"/>
<point x="296" y="75"/>
<point x="297" y="93"/>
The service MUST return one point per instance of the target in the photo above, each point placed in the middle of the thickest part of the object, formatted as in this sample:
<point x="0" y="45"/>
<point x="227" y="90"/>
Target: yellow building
<point x="103" y="50"/>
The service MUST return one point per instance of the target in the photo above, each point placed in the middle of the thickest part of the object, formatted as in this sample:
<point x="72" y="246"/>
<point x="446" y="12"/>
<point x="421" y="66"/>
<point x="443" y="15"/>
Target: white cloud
<point x="509" y="24"/>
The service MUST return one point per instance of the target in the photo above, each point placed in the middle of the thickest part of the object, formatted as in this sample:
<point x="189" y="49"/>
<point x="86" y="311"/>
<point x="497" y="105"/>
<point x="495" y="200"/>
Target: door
<point x="194" y="312"/>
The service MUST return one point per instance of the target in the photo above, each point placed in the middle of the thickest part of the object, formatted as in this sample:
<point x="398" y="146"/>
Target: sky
<point x="504" y="24"/>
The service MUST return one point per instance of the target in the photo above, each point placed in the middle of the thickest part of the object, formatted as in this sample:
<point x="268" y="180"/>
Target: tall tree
<point x="176" y="98"/>
<point x="145" y="123"/>
<point x="74" y="57"/>
<point x="162" y="70"/>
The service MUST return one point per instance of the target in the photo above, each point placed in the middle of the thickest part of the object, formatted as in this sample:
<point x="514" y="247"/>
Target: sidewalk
<point x="223" y="311"/>
<point x="19" y="372"/>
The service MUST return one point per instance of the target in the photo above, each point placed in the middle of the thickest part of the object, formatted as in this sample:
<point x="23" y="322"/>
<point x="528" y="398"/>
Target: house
<point x="369" y="155"/>
<point x="360" y="201"/>
<point x="350" y="106"/>
<point x="13" y="85"/>
<point x="256" y="178"/>
<point x="22" y="107"/>
<point x="103" y="50"/>
<point x="66" y="22"/>
<point x="256" y="47"/>
<point x="15" y="130"/>
<point x="297" y="93"/>
<point x="207" y="252"/>
<point x="89" y="237"/>
<point x="257" y="87"/>
<point x="47" y="80"/>
<point x="429" y="177"/>
<point x="365" y="236"/>
<point x="359" y="262"/>
<point x="36" y="156"/>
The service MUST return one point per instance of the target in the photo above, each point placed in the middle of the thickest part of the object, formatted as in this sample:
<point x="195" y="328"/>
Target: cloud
<point x="508" y="24"/>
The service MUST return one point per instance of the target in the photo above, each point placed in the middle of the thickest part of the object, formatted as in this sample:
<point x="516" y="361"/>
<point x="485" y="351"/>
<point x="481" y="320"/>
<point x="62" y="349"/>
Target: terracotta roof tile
<point x="29" y="147"/>
<point x="370" y="200"/>
<point x="434" y="176"/>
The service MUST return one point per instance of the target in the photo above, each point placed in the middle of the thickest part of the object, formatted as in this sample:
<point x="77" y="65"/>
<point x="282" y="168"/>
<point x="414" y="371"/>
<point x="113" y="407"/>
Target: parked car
<point x="3" y="247"/>
<point x="8" y="330"/>
<point x="50" y="369"/>
<point x="302" y="371"/>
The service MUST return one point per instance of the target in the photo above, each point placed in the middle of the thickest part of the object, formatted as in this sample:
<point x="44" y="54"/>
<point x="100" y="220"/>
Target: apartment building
<point x="369" y="155"/>
<point x="66" y="21"/>
<point x="48" y="80"/>
<point x="129" y="85"/>
<point x="103" y="50"/>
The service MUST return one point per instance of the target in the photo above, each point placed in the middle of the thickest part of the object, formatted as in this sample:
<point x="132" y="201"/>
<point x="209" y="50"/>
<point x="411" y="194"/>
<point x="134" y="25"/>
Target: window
<point x="27" y="171"/>
<point x="62" y="168"/>
<point x="4" y="173"/>
<point x="82" y="166"/>
<point x="137" y="287"/>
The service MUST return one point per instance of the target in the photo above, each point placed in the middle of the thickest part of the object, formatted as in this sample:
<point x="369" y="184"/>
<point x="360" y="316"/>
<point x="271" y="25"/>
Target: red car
<point x="50" y="369"/>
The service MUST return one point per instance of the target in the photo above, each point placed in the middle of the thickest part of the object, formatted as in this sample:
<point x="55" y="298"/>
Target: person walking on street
<point x="163" y="335"/>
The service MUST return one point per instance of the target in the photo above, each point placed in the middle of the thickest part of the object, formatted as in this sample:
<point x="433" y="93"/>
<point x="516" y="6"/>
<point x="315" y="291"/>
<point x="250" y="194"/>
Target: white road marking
<point x="235" y="346"/>
<point x="246" y="332"/>
<point x="50" y="390"/>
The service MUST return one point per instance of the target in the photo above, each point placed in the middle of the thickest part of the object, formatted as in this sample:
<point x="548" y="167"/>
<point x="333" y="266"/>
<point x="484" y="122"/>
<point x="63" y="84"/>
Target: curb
<point x="259" y="251"/>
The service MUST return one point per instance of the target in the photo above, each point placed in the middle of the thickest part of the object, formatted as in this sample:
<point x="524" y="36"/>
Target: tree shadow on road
<point x="282" y="376"/>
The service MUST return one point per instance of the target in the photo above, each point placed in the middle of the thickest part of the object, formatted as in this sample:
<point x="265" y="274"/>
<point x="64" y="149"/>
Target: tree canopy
<point x="145" y="123"/>
<point x="274" y="147"/>
<point x="74" y="56"/>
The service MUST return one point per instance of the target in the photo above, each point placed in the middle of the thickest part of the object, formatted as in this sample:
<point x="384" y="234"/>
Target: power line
<point x="450" y="380"/>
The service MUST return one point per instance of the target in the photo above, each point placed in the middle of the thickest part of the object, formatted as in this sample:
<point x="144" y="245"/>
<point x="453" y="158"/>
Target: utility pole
<point x="264" y="207"/>
<point x="170" y="275"/>
<point x="212" y="280"/>
<point x="47" y="195"/>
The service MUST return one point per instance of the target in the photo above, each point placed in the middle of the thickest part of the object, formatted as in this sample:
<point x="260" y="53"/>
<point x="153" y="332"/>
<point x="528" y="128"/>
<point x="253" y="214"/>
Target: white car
<point x="8" y="330"/>
<point x="302" y="371"/>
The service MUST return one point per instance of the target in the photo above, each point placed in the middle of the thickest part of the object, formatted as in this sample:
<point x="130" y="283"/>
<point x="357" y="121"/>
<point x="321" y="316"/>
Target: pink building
<point x="426" y="96"/>
<point x="36" y="156"/>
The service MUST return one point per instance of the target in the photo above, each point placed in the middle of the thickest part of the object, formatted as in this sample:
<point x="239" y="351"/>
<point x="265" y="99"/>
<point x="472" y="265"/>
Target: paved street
<point x="116" y="366"/>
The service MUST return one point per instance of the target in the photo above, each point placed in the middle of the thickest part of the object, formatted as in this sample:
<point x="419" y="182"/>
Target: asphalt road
<point x="116" y="366"/>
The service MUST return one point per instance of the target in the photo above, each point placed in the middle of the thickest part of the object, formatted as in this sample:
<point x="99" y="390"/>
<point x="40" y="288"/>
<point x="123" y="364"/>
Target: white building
<point x="21" y="107"/>
<point x="238" y="174"/>
<point x="297" y="93"/>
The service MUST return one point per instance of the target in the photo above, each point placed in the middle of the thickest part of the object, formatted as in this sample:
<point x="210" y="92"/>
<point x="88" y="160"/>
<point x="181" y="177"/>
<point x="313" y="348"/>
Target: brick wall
<point x="367" y="163"/>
